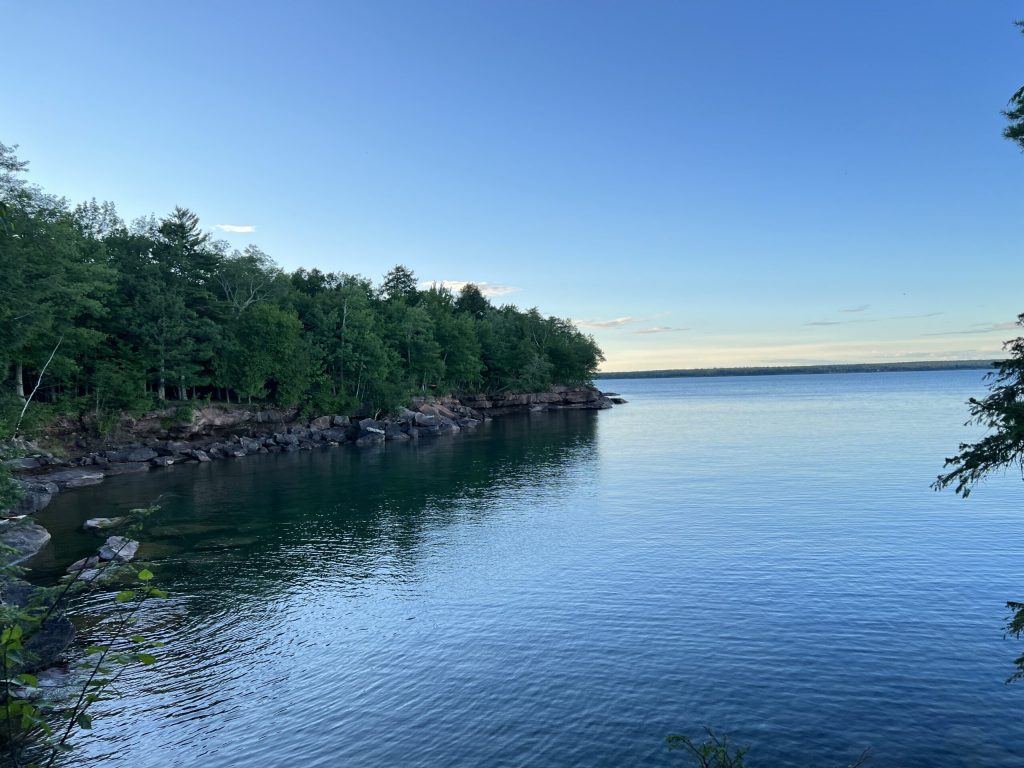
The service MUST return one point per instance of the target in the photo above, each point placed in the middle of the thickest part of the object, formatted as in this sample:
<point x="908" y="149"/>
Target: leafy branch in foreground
<point x="716" y="751"/>
<point x="1002" y="411"/>
<point x="37" y="726"/>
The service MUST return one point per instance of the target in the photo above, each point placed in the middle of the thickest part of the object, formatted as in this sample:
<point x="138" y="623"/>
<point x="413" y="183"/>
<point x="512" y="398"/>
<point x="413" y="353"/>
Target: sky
<point x="694" y="183"/>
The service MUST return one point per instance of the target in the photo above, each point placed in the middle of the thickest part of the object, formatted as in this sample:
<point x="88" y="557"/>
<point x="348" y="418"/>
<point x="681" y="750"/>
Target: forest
<point x="103" y="317"/>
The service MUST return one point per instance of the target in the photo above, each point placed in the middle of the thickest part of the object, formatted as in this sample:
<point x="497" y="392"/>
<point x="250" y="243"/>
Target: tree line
<point x="100" y="315"/>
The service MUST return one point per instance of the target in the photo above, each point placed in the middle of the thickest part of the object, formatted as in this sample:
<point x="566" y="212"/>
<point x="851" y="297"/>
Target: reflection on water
<point x="762" y="555"/>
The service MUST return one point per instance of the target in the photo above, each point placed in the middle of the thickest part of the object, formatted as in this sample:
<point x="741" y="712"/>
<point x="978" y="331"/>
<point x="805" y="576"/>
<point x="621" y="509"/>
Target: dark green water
<point x="762" y="555"/>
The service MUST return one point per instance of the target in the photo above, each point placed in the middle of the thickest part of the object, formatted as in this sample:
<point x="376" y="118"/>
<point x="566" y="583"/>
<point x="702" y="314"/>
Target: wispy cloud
<point x="917" y="317"/>
<point x="980" y="328"/>
<point x="825" y="322"/>
<point x="660" y="329"/>
<point x="487" y="289"/>
<point x="858" y="308"/>
<point x="235" y="227"/>
<point x="613" y="323"/>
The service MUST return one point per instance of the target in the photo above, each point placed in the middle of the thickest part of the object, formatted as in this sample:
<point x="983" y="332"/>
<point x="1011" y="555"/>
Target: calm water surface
<point x="762" y="555"/>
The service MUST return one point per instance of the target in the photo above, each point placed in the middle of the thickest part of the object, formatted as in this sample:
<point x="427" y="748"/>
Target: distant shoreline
<point x="785" y="370"/>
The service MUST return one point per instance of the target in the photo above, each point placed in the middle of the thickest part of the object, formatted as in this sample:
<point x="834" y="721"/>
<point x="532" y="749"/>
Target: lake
<point x="762" y="555"/>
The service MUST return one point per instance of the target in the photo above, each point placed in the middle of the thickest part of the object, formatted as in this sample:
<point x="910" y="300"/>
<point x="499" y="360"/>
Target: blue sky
<point x="695" y="183"/>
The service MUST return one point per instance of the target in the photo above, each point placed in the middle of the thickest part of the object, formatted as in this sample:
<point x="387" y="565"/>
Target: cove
<point x="762" y="555"/>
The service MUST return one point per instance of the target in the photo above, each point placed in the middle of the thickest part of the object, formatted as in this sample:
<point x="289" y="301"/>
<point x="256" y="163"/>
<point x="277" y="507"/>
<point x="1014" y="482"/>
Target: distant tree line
<point x="123" y="316"/>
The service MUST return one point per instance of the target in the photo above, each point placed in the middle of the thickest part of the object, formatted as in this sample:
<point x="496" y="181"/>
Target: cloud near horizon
<point x="613" y="323"/>
<point x="235" y="227"/>
<point x="858" y="308"/>
<point x="977" y="329"/>
<point x="660" y="329"/>
<point x="487" y="289"/>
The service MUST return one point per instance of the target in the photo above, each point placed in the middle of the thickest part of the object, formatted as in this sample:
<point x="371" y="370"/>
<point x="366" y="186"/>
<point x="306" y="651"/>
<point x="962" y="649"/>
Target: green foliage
<point x="1015" y="111"/>
<point x="10" y="491"/>
<point x="716" y="752"/>
<point x="155" y="311"/>
<point x="713" y="752"/>
<point x="36" y="728"/>
<point x="1002" y="412"/>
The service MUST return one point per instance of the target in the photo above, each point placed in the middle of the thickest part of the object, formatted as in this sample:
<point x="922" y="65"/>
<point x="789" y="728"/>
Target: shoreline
<point x="218" y="432"/>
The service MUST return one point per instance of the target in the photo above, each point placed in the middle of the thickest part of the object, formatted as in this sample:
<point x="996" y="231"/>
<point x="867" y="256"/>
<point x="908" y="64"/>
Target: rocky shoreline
<point x="216" y="432"/>
<point x="212" y="433"/>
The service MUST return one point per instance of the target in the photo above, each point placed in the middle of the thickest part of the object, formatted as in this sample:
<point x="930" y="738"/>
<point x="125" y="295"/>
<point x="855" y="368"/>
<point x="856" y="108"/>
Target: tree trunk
<point x="341" y="348"/>
<point x="19" y="381"/>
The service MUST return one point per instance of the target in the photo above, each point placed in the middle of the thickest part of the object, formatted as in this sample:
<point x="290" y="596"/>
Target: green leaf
<point x="84" y="720"/>
<point x="124" y="597"/>
<point x="27" y="679"/>
<point x="138" y="639"/>
<point x="146" y="658"/>
<point x="145" y="574"/>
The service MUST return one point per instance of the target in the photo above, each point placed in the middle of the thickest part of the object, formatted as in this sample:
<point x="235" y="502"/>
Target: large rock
<point x="250" y="445"/>
<point x="84" y="564"/>
<point x="371" y="425"/>
<point x="335" y="434"/>
<point x="99" y="523"/>
<point x="394" y="432"/>
<point x="24" y="538"/>
<point x="141" y="454"/>
<point x="425" y="420"/>
<point x="72" y="478"/>
<point x="321" y="422"/>
<point x="119" y="548"/>
<point x="36" y="495"/>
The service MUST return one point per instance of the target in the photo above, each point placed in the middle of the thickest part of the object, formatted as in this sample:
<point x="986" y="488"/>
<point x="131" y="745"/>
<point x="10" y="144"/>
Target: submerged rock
<point x="84" y="564"/>
<point x="119" y="548"/>
<point x="99" y="523"/>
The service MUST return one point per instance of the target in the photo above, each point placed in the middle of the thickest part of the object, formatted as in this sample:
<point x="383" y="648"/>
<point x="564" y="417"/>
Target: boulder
<point x="370" y="425"/>
<point x="27" y="462"/>
<point x="425" y="420"/>
<point x="321" y="422"/>
<point x="445" y="424"/>
<point x="99" y="523"/>
<point x="335" y="434"/>
<point x="200" y="456"/>
<point x="84" y="564"/>
<point x="35" y="496"/>
<point x="24" y="538"/>
<point x="119" y="548"/>
<point x="141" y="454"/>
<point x="394" y="432"/>
<point x="72" y="478"/>
<point x="162" y="461"/>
